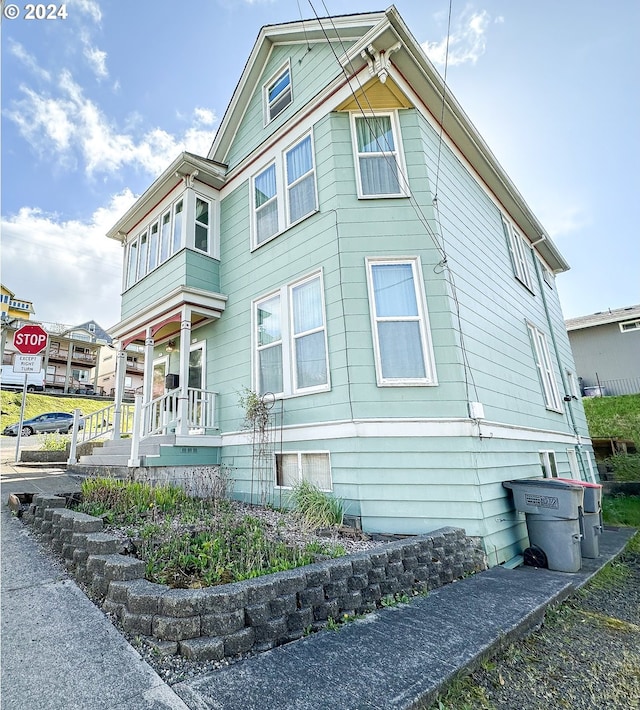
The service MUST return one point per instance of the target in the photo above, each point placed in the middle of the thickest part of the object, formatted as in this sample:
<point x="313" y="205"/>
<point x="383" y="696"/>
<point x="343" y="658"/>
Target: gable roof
<point x="387" y="33"/>
<point x="616" y="315"/>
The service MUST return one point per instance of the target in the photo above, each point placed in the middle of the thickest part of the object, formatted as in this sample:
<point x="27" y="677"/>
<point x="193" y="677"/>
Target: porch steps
<point x="116" y="452"/>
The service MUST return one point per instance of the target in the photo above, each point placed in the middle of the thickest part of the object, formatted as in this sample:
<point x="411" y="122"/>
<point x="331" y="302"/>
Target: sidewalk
<point x="59" y="651"/>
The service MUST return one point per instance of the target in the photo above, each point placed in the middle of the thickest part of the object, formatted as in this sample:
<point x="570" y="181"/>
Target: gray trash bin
<point x="591" y="524"/>
<point x="552" y="510"/>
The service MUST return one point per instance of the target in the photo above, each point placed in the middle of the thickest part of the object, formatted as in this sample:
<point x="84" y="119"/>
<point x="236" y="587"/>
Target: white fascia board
<point x="458" y="125"/>
<point x="194" y="297"/>
<point x="185" y="164"/>
<point x="409" y="428"/>
<point x="293" y="32"/>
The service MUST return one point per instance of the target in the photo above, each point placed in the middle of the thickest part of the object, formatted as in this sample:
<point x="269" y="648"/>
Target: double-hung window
<point x="202" y="225"/>
<point x="277" y="94"/>
<point x="284" y="192"/>
<point x="378" y="157"/>
<point x="265" y="195"/>
<point x="291" y="339"/>
<point x="545" y="369"/>
<point x="301" y="180"/>
<point x="518" y="251"/>
<point x="400" y="325"/>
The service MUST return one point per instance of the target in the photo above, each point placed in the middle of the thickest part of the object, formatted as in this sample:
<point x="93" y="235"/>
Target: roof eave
<point x="185" y="164"/>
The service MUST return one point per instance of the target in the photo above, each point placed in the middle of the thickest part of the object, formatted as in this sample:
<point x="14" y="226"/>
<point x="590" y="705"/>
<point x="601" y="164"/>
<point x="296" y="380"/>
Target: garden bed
<point x="256" y="613"/>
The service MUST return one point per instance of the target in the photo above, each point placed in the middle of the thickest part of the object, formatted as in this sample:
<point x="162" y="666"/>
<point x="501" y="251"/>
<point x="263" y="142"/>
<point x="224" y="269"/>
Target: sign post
<point x="29" y="340"/>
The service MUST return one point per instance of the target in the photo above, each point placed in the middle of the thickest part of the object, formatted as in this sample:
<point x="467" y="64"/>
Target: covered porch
<point x="174" y="406"/>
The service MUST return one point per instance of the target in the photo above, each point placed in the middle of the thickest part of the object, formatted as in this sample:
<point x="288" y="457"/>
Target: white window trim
<point x="574" y="391"/>
<point x="300" y="454"/>
<point x="545" y="369"/>
<point x="423" y="319"/>
<point x="518" y="250"/>
<point x="398" y="152"/>
<point x="282" y="192"/>
<point x="287" y="187"/>
<point x="546" y="458"/>
<point x="574" y="468"/>
<point x="209" y="203"/>
<point x="265" y="92"/>
<point x="201" y="345"/>
<point x="635" y="325"/>
<point x="287" y="339"/>
<point x="255" y="244"/>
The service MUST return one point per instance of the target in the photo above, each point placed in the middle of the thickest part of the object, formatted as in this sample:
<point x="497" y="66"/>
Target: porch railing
<point x="99" y="425"/>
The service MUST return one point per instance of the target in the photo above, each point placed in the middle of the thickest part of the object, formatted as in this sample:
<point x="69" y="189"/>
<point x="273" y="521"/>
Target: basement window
<point x="293" y="468"/>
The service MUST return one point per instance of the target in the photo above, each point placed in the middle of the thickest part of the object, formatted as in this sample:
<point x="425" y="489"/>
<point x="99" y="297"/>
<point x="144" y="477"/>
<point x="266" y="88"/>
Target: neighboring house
<point x="12" y="307"/>
<point x="606" y="349"/>
<point x="70" y="358"/>
<point x="72" y="355"/>
<point x="378" y="275"/>
<point x="133" y="371"/>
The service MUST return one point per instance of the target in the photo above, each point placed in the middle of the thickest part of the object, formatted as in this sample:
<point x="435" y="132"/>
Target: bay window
<point x="284" y="192"/>
<point x="202" y="225"/>
<point x="378" y="156"/>
<point x="291" y="340"/>
<point x="266" y="204"/>
<point x="399" y="321"/>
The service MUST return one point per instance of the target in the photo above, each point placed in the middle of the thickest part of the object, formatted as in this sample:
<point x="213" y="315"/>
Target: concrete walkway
<point x="59" y="651"/>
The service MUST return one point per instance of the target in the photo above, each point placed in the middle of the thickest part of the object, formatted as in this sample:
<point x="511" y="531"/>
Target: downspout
<point x="556" y="351"/>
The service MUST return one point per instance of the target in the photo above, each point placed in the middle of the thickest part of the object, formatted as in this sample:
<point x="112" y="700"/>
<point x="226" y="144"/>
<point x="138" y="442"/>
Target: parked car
<point x="44" y="423"/>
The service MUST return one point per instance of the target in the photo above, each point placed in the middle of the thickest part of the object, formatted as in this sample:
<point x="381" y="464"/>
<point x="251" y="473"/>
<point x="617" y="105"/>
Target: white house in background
<point x="606" y="350"/>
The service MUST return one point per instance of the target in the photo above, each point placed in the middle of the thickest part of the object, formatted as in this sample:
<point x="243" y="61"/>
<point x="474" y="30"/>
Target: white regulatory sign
<point x="27" y="363"/>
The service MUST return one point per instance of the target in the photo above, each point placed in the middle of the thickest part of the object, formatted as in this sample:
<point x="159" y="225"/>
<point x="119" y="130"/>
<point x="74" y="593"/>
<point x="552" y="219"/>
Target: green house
<point x="350" y="252"/>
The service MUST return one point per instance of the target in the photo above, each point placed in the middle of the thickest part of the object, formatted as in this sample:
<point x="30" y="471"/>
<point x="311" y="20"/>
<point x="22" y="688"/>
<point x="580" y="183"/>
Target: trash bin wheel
<point x="534" y="557"/>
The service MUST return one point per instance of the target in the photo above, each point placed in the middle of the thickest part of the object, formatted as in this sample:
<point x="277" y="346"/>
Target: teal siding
<point x="311" y="71"/>
<point x="187" y="268"/>
<point x="413" y="485"/>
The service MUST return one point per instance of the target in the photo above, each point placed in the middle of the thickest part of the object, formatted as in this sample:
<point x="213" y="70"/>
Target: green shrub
<point x="55" y="442"/>
<point x="621" y="510"/>
<point x="625" y="466"/>
<point x="317" y="508"/>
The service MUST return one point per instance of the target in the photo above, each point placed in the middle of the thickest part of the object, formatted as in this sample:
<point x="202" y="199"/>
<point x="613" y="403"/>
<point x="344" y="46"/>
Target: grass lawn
<point x="614" y="416"/>
<point x="41" y="403"/>
<point x="621" y="510"/>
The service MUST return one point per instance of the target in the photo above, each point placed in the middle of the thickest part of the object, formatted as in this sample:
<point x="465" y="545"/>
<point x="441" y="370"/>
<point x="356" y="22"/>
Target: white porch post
<point x="147" y="381"/>
<point x="121" y="368"/>
<point x="183" y="399"/>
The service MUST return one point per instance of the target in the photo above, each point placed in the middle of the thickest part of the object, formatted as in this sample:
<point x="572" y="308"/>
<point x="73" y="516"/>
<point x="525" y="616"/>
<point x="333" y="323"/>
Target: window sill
<point x="255" y="247"/>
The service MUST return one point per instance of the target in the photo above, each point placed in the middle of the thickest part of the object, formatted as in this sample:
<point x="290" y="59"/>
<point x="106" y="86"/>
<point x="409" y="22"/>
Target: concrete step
<point x="105" y="460"/>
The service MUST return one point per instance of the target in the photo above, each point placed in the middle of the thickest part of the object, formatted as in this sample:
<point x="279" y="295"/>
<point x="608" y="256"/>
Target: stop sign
<point x="30" y="339"/>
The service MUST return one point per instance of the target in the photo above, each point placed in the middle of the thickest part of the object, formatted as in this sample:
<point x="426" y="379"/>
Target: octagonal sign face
<point x="30" y="339"/>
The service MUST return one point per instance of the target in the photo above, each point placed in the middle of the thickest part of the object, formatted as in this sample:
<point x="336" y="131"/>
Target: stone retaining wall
<point x="255" y="614"/>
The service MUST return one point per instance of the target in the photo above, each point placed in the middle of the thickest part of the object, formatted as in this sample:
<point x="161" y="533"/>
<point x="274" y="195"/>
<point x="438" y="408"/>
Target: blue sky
<point x="96" y="105"/>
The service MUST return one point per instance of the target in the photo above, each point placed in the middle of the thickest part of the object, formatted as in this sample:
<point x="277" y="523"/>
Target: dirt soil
<point x="585" y="656"/>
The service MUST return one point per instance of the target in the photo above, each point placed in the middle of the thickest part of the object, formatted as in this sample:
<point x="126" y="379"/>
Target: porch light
<point x="171" y="345"/>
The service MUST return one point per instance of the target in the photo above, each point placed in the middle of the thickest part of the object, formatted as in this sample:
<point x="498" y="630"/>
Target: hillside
<point x="614" y="416"/>
<point x="40" y="403"/>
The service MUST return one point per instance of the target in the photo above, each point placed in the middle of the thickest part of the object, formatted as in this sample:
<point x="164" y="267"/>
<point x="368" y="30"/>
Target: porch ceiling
<point x="162" y="318"/>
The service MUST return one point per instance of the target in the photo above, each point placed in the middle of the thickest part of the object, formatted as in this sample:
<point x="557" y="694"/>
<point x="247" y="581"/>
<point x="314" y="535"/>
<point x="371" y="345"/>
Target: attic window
<point x="630" y="325"/>
<point x="277" y="94"/>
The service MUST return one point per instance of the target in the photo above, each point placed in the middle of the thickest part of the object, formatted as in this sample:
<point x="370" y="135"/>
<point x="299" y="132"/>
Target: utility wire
<point x="444" y="266"/>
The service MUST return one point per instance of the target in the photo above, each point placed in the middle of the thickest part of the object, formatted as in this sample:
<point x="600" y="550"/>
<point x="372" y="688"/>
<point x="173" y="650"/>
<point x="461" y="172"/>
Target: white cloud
<point x="467" y="39"/>
<point x="97" y="60"/>
<point x="68" y="268"/>
<point x="27" y="59"/>
<point x="88" y="7"/>
<point x="73" y="127"/>
<point x="564" y="219"/>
